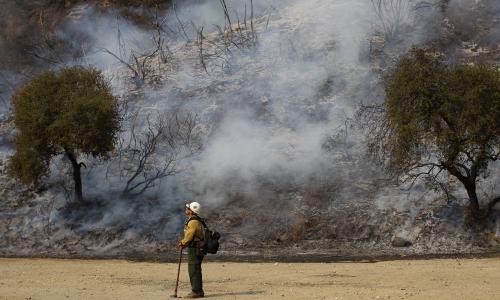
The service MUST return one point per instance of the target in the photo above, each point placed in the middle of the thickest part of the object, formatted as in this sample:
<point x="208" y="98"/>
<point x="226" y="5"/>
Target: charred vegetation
<point x="297" y="79"/>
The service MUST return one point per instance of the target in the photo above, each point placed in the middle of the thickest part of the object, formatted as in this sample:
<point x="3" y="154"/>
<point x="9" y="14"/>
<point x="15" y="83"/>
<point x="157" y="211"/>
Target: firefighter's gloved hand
<point x="180" y="245"/>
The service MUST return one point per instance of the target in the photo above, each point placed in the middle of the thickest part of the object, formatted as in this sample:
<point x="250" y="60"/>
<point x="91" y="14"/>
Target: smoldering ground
<point x="278" y="151"/>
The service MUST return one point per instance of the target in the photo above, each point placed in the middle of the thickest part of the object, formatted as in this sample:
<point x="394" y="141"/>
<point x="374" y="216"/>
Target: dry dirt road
<point x="118" y="279"/>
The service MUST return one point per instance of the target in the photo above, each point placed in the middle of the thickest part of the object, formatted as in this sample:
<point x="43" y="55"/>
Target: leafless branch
<point x="181" y="25"/>
<point x="141" y="63"/>
<point x="391" y="15"/>
<point x="233" y="36"/>
<point x="154" y="155"/>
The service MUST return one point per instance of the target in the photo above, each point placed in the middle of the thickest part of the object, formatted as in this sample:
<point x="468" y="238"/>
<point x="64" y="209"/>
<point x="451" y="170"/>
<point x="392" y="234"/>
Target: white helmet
<point x="194" y="207"/>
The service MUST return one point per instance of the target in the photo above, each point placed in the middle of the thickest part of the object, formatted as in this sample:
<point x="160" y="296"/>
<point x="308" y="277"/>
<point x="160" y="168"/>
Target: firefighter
<point x="193" y="236"/>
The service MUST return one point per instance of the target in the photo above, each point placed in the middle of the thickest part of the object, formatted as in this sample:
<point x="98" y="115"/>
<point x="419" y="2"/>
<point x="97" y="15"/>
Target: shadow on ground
<point x="249" y="293"/>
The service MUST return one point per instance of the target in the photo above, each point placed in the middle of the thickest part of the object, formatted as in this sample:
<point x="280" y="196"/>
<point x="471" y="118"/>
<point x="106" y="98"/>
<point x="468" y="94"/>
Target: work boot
<point x="194" y="295"/>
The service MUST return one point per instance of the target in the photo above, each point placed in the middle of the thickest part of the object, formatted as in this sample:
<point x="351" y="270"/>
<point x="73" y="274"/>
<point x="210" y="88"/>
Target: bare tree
<point x="148" y="157"/>
<point x="160" y="26"/>
<point x="391" y="16"/>
<point x="140" y="63"/>
<point x="181" y="25"/>
<point x="233" y="36"/>
<point x="200" y="47"/>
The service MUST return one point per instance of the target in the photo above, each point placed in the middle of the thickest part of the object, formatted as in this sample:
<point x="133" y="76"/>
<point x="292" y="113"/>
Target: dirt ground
<point x="119" y="279"/>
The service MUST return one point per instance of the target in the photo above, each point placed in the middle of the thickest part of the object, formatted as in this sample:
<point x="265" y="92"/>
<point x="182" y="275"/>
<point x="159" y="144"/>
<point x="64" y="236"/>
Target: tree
<point x="391" y="15"/>
<point x="72" y="112"/>
<point x="153" y="155"/>
<point x="442" y="118"/>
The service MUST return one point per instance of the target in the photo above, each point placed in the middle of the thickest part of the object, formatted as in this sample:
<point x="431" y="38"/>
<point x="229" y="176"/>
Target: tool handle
<point x="178" y="272"/>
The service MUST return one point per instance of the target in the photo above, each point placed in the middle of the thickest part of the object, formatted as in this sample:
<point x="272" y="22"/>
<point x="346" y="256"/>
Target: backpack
<point x="210" y="242"/>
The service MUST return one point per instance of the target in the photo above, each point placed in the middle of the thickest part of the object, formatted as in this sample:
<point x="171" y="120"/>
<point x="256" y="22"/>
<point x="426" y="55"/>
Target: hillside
<point x="264" y="102"/>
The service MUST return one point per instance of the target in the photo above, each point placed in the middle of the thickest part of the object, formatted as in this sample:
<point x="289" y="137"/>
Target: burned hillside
<point x="250" y="108"/>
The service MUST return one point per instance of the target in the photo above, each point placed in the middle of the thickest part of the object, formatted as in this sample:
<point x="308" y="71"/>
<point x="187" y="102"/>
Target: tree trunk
<point x="76" y="176"/>
<point x="470" y="186"/>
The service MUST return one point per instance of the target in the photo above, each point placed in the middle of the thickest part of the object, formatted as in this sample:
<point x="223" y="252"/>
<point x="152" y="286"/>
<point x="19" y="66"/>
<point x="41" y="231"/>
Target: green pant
<point x="194" y="269"/>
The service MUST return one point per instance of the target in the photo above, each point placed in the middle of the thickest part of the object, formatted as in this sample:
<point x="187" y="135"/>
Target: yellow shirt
<point x="193" y="231"/>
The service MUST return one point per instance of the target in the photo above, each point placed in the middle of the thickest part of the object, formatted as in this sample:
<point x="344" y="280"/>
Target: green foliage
<point x="70" y="110"/>
<point x="451" y="112"/>
<point x="442" y="117"/>
<point x="413" y="95"/>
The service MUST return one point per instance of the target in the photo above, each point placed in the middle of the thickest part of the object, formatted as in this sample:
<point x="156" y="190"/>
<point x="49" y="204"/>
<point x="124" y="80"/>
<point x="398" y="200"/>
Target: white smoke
<point x="270" y="113"/>
<point x="276" y="110"/>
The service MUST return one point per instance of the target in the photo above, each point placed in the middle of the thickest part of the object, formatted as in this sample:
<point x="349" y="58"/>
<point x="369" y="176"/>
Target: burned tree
<point x="142" y="62"/>
<point x="139" y="63"/>
<point x="236" y="35"/>
<point x="441" y="118"/>
<point x="67" y="112"/>
<point x="147" y="157"/>
<point x="391" y="16"/>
